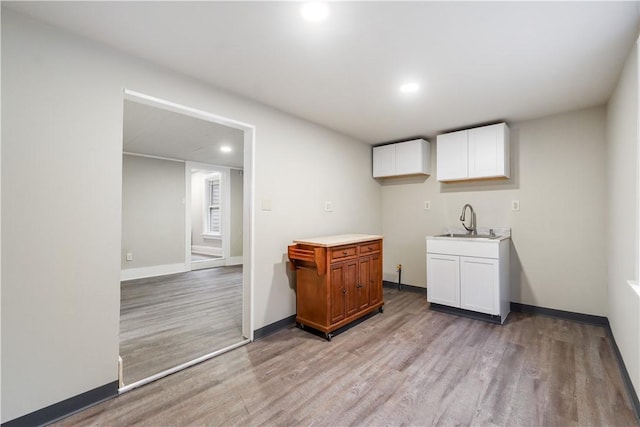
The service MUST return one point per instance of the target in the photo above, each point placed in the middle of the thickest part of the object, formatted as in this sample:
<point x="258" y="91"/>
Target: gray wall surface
<point x="152" y="212"/>
<point x="622" y="231"/>
<point x="236" y="212"/>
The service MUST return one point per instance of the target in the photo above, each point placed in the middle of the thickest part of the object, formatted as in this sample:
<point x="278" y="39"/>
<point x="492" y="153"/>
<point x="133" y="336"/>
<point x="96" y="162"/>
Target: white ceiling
<point x="477" y="62"/>
<point x="157" y="132"/>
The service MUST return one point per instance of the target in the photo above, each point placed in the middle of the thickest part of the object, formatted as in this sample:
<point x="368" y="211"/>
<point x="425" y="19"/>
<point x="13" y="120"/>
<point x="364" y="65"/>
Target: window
<point x="213" y="198"/>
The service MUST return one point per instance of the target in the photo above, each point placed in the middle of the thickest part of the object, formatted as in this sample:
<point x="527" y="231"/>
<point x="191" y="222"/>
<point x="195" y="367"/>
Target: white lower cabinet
<point x="444" y="279"/>
<point x="479" y="284"/>
<point x="456" y="278"/>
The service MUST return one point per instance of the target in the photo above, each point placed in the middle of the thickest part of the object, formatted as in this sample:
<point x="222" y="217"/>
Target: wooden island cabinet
<point x="339" y="279"/>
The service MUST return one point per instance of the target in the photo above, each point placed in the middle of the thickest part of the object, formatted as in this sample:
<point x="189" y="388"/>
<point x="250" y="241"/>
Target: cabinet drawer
<point x="473" y="249"/>
<point x="343" y="252"/>
<point x="370" y="247"/>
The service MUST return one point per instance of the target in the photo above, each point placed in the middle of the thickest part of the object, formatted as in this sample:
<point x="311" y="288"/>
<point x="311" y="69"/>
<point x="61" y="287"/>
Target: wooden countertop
<point x="338" y="240"/>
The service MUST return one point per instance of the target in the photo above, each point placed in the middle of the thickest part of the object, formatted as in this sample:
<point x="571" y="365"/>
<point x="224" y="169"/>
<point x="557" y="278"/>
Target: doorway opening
<point x="215" y="214"/>
<point x="186" y="237"/>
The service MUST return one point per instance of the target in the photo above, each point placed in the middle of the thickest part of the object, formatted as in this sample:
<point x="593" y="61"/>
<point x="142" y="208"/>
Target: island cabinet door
<point x="363" y="288"/>
<point x="351" y="283"/>
<point x="343" y="286"/>
<point x="375" y="279"/>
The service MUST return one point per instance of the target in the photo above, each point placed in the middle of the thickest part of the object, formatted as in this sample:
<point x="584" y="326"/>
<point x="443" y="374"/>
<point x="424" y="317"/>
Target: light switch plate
<point x="427" y="205"/>
<point x="265" y="204"/>
<point x="515" y="205"/>
<point x="328" y="206"/>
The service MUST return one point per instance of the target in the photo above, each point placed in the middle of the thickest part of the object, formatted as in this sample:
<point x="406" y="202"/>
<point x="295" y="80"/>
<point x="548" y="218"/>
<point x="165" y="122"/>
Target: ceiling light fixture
<point x="315" y="11"/>
<point x="409" y="87"/>
<point x="225" y="149"/>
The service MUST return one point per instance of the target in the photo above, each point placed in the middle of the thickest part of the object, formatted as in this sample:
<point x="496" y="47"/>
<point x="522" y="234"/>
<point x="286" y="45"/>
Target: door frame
<point x="226" y="214"/>
<point x="248" y="218"/>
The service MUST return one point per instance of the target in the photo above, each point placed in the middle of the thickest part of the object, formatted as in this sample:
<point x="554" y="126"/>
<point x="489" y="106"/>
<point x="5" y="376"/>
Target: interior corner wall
<point x="557" y="174"/>
<point x="622" y="248"/>
<point x="236" y="184"/>
<point x="60" y="320"/>
<point x="152" y="212"/>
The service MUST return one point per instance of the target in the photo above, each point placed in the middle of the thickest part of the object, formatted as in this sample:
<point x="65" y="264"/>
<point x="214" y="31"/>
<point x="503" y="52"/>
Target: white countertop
<point x="337" y="240"/>
<point x="501" y="233"/>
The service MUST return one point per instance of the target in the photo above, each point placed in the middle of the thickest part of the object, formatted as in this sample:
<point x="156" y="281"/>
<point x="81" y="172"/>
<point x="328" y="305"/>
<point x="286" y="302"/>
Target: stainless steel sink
<point x="469" y="236"/>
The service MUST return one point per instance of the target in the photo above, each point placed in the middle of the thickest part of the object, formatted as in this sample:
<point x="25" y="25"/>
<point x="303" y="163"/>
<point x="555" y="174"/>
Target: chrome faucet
<point x="471" y="229"/>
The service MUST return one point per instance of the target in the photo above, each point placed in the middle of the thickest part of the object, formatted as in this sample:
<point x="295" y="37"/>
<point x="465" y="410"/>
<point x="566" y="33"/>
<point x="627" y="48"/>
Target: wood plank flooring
<point x="169" y="320"/>
<point x="408" y="366"/>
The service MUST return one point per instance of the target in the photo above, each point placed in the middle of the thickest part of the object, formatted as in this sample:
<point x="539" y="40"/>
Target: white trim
<point x="634" y="287"/>
<point x="208" y="263"/>
<point x="209" y="236"/>
<point x="180" y="367"/>
<point x="129" y="153"/>
<point x="152" y="271"/>
<point x="206" y="250"/>
<point x="187" y="216"/>
<point x="248" y="237"/>
<point x="637" y="270"/>
<point x="234" y="260"/>
<point x="141" y="98"/>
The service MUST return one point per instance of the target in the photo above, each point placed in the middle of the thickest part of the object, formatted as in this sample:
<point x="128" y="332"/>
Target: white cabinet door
<point x="410" y="157"/>
<point x="488" y="153"/>
<point x="452" y="156"/>
<point x="403" y="158"/>
<point x="384" y="161"/>
<point x="443" y="279"/>
<point x="479" y="284"/>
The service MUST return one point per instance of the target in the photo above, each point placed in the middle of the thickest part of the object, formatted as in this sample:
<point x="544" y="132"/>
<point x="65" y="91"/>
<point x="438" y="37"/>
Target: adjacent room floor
<point x="169" y="320"/>
<point x="406" y="366"/>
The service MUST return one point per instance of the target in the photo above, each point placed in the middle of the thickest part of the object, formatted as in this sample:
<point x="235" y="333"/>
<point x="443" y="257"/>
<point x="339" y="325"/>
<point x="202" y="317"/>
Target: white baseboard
<point x="206" y="250"/>
<point x="152" y="271"/>
<point x="235" y="260"/>
<point x="208" y="263"/>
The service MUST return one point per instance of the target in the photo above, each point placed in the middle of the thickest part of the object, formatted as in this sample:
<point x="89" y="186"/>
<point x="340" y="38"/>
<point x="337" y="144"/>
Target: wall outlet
<point x="427" y="205"/>
<point x="328" y="206"/>
<point x="515" y="205"/>
<point x="129" y="256"/>
<point x="265" y="204"/>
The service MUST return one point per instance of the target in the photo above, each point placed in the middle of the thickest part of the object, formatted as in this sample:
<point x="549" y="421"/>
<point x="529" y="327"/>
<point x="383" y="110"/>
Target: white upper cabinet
<point x="474" y="153"/>
<point x="403" y="158"/>
<point x="451" y="160"/>
<point x="384" y="160"/>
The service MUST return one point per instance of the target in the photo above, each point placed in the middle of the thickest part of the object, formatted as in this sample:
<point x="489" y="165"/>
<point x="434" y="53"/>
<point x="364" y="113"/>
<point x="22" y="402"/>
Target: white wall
<point x="62" y="109"/>
<point x="152" y="212"/>
<point x="559" y="177"/>
<point x="622" y="230"/>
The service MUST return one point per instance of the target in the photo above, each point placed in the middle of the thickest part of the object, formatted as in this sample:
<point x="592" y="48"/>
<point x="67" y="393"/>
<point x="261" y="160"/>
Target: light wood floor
<point x="169" y="320"/>
<point x="408" y="366"/>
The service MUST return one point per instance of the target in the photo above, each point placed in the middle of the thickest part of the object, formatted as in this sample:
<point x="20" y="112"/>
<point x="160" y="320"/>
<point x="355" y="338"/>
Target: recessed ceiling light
<point x="315" y="11"/>
<point x="409" y="87"/>
<point x="225" y="149"/>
